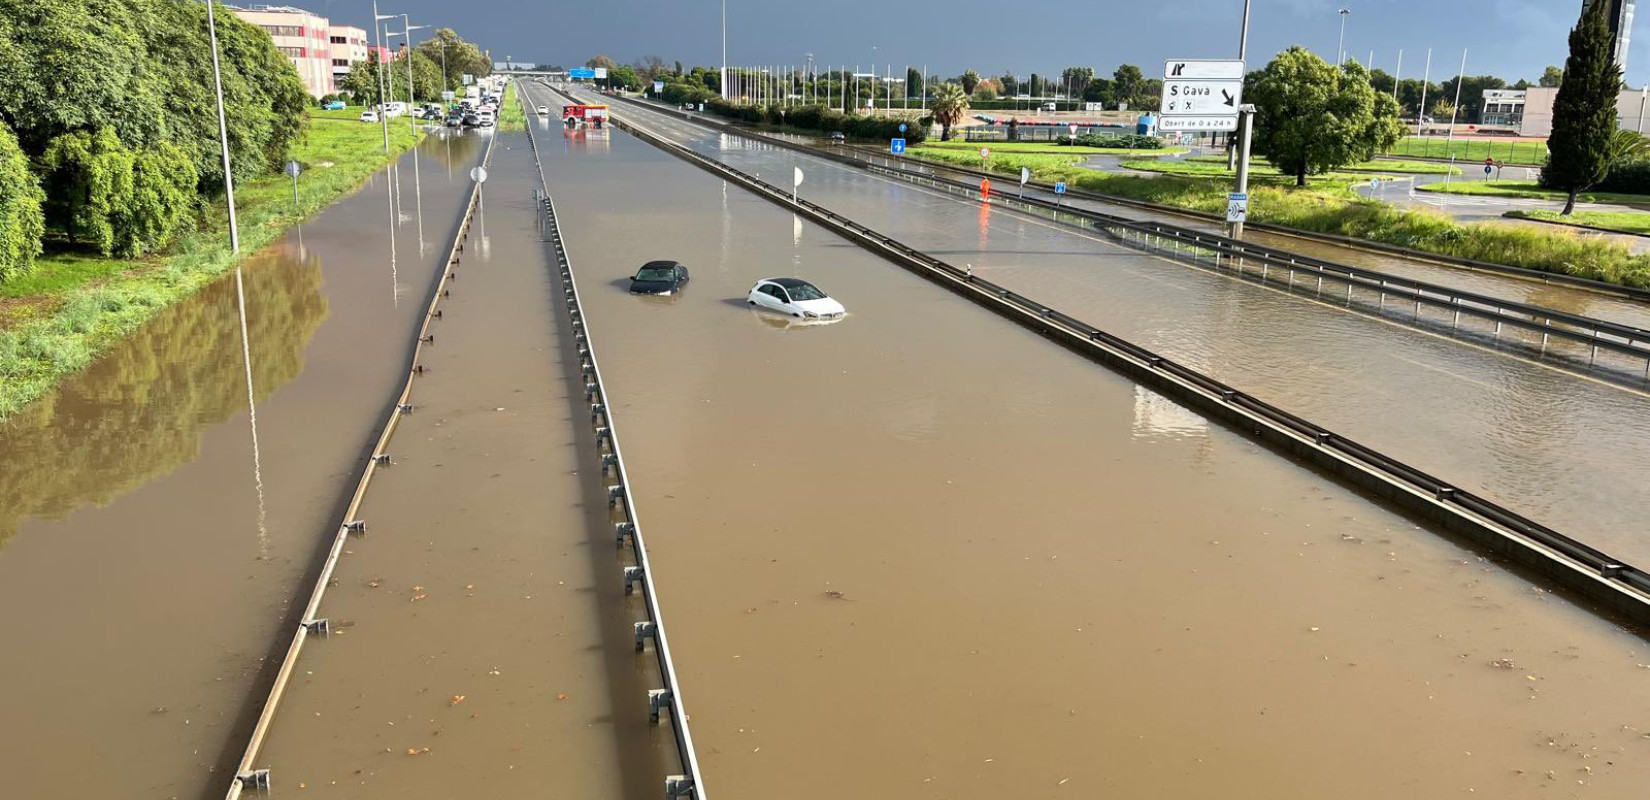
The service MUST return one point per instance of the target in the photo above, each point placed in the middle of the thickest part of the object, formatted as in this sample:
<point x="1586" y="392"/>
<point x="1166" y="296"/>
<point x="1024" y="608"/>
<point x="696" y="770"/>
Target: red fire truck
<point x="593" y="114"/>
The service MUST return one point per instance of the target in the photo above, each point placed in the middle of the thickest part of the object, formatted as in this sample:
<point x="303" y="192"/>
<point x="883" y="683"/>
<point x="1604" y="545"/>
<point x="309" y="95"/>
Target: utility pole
<point x="723" y="83"/>
<point x="1243" y="55"/>
<point x="1246" y="122"/>
<point x="223" y="134"/>
<point x="1397" y="78"/>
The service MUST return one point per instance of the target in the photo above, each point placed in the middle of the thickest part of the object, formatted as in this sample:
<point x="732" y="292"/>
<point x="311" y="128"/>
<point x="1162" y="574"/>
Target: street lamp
<point x="383" y="98"/>
<point x="413" y="123"/>
<point x="1340" y="49"/>
<point x="223" y="131"/>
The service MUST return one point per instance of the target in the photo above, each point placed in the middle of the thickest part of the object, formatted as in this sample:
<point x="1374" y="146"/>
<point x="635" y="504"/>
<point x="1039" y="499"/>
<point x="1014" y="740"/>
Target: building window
<point x="284" y="30"/>
<point x="292" y="52"/>
<point x="339" y="40"/>
<point x="340" y="62"/>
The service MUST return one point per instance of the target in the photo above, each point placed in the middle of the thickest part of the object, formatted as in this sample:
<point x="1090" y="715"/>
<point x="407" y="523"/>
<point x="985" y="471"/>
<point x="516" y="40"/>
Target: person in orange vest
<point x="985" y="189"/>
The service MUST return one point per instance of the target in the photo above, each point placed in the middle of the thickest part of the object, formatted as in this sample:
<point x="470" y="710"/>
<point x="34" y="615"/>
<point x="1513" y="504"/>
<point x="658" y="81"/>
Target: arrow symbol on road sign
<point x="1228" y="96"/>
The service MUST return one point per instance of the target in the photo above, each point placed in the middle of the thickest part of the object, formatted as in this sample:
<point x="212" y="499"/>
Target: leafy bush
<point x="1630" y="178"/>
<point x="21" y="220"/>
<point x="1126" y="141"/>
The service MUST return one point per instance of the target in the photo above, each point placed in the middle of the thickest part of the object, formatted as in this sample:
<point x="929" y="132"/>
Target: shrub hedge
<point x="816" y="117"/>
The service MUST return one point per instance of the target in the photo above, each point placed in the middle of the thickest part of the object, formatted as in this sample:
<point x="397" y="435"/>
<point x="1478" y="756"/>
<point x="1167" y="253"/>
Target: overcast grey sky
<point x="1509" y="38"/>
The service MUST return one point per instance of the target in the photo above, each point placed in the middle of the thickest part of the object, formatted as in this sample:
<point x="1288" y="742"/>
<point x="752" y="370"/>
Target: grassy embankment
<point x="1046" y="147"/>
<point x="1215" y="166"/>
<point x="73" y="306"/>
<point x="1623" y="221"/>
<point x="1532" y="154"/>
<point x="1530" y="190"/>
<point x="1329" y="206"/>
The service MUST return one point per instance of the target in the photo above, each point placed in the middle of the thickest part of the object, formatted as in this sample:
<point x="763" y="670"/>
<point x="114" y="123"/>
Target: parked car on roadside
<point x="334" y="105"/>
<point x="369" y="116"/>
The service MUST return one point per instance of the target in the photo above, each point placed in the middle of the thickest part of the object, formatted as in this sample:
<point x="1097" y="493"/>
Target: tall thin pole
<point x="723" y="83"/>
<point x="925" y="88"/>
<point x="1421" y="113"/>
<point x="1340" y="49"/>
<point x="1397" y="78"/>
<point x="223" y="136"/>
<point x="1459" y="79"/>
<point x="1232" y="152"/>
<point x="1246" y="121"/>
<point x="378" y="48"/>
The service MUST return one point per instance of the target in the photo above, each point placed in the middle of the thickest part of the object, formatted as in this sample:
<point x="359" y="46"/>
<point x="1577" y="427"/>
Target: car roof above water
<point x="789" y="283"/>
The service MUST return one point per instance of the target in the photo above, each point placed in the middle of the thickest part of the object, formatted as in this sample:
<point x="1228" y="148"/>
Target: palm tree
<point x="950" y="105"/>
<point x="1627" y="146"/>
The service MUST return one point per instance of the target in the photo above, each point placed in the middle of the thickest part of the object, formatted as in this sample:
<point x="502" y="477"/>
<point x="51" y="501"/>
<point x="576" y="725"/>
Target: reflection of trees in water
<point x="138" y="412"/>
<point x="460" y="149"/>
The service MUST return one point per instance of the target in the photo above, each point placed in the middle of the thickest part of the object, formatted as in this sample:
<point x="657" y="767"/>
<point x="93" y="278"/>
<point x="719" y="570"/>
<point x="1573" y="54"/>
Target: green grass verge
<point x="1532" y="154"/>
<point x="73" y="307"/>
<point x="1382" y="165"/>
<point x="1333" y="208"/>
<point x="1624" y="221"/>
<point x="512" y="116"/>
<point x="1048" y="147"/>
<point x="1529" y="190"/>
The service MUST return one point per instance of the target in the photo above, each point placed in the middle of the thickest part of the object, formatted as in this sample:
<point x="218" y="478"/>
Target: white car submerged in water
<point x="794" y="297"/>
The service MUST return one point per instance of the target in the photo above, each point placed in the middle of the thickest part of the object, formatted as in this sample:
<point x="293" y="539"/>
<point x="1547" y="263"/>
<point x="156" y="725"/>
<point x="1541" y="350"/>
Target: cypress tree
<point x="1584" y="113"/>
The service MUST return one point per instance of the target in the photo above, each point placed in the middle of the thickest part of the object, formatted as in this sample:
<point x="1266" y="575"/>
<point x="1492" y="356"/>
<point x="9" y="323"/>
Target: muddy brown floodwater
<point x="1563" y="448"/>
<point x="147" y="556"/>
<point x="481" y="642"/>
<point x="925" y="553"/>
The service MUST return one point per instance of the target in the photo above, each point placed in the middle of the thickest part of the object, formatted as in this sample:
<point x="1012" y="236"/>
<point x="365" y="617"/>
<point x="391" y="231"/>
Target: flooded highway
<point x="1561" y="448"/>
<point x="152" y="537"/>
<point x="932" y="551"/>
<point x="481" y="644"/>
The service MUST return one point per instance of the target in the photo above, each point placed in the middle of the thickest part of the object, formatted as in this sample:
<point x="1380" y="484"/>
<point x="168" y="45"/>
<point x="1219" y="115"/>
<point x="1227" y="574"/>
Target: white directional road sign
<point x="1201" y="95"/>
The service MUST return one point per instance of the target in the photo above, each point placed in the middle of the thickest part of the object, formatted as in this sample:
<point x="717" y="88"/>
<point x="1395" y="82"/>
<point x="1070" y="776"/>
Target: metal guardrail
<point x="1613" y="584"/>
<point x="1551" y="324"/>
<point x="247" y="774"/>
<point x="619" y="494"/>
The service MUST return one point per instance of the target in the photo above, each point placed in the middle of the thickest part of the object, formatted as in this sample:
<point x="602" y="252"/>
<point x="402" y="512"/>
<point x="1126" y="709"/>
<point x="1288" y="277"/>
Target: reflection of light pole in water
<point x="395" y="280"/>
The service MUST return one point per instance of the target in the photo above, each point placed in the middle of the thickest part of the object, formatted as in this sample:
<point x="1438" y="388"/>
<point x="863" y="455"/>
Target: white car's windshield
<point x="656" y="274"/>
<point x="804" y="291"/>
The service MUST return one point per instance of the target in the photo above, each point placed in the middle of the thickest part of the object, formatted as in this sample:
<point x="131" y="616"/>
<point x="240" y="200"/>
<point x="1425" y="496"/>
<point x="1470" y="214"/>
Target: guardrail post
<point x="621" y="530"/>
<point x="631" y="576"/>
<point x="657" y="700"/>
<point x="644" y="630"/>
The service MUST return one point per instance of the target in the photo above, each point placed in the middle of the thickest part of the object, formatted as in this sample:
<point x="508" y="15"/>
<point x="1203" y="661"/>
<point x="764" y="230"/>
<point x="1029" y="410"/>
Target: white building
<point x="348" y="46"/>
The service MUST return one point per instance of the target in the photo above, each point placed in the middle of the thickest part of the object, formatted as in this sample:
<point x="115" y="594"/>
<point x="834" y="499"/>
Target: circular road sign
<point x="985" y="152"/>
<point x="293" y="168"/>
<point x="478" y="174"/>
<point x="902" y="127"/>
<point x="1488" y="169"/>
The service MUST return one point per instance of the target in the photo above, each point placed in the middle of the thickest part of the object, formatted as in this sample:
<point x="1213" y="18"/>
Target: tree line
<point x="428" y="78"/>
<point x="108" y="122"/>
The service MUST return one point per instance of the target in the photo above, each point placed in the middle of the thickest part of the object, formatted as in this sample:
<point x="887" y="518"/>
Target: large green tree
<point x="1584" y="113"/>
<point x="462" y="58"/>
<point x="1551" y="77"/>
<point x="1311" y="117"/>
<point x="1128" y="85"/>
<point x="970" y="80"/>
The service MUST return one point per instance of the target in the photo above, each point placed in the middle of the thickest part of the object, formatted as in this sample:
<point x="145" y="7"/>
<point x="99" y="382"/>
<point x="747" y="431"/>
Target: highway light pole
<point x="1340" y="49"/>
<point x="378" y="45"/>
<point x="223" y="132"/>
<point x="412" y="122"/>
<point x="1460" y="78"/>
<point x="723" y="83"/>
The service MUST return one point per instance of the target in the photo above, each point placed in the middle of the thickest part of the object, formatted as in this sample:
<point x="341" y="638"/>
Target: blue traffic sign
<point x="581" y="72"/>
<point x="1488" y="169"/>
<point x="902" y="127"/>
<point x="1060" y="187"/>
<point x="896" y="147"/>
